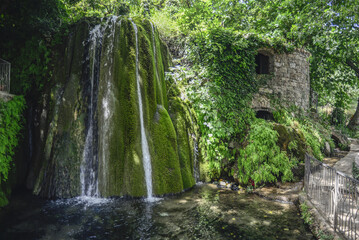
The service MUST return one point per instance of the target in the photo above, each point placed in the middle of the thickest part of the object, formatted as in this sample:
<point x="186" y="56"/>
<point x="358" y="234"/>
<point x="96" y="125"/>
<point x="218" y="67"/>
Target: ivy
<point x="11" y="123"/>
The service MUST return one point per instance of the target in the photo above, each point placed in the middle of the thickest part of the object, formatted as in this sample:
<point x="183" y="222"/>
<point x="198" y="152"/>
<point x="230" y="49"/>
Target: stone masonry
<point x="289" y="84"/>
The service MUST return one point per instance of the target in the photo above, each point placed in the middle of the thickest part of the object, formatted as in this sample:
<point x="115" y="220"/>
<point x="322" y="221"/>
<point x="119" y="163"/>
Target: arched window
<point x="262" y="64"/>
<point x="264" y="114"/>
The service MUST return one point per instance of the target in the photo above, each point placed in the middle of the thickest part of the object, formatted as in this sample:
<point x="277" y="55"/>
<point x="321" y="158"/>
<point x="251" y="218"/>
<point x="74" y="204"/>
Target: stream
<point x="204" y="212"/>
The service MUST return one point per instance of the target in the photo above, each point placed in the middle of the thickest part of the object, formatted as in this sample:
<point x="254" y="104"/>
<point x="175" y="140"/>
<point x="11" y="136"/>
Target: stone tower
<point x="287" y="79"/>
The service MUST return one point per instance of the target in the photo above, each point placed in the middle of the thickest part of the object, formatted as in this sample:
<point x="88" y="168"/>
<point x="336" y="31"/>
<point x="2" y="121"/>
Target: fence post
<point x="336" y="190"/>
<point x="306" y="173"/>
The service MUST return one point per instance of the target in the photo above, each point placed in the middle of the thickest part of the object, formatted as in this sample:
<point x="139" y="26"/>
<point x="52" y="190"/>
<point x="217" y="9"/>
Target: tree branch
<point x="353" y="66"/>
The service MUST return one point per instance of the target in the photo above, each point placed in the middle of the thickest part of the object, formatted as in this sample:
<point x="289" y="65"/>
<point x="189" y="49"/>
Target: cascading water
<point x="108" y="97"/>
<point x="88" y="173"/>
<point x="145" y="150"/>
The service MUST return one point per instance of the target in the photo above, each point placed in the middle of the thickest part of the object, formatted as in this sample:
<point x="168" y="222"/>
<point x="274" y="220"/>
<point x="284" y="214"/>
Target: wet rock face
<point x="92" y="113"/>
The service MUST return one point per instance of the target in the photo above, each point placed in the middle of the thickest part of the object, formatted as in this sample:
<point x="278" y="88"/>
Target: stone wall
<point x="289" y="84"/>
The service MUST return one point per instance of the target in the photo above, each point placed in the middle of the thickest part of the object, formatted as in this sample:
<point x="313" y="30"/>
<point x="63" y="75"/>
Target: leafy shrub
<point x="11" y="123"/>
<point x="306" y="215"/>
<point x="262" y="160"/>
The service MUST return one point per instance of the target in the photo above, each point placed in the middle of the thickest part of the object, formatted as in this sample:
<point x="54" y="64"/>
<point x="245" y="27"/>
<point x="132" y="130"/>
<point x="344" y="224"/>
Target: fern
<point x="262" y="160"/>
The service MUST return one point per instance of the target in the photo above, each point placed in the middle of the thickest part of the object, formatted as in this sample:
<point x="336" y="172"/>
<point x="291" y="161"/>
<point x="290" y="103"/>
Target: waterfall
<point x="89" y="164"/>
<point x="155" y="57"/>
<point x="145" y="150"/>
<point x="107" y="101"/>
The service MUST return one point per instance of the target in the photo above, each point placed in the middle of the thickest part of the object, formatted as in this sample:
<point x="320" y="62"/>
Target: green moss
<point x="125" y="169"/>
<point x="288" y="138"/>
<point x="183" y="124"/>
<point x="165" y="163"/>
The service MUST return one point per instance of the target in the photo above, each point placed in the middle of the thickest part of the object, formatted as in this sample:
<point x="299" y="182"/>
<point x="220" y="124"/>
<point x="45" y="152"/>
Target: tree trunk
<point x="354" y="121"/>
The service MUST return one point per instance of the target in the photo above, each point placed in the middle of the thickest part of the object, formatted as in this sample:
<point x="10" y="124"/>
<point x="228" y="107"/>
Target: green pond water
<point x="204" y="212"/>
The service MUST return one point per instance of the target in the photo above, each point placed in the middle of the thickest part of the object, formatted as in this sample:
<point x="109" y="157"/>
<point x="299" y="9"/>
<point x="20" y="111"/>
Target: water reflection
<point x="205" y="212"/>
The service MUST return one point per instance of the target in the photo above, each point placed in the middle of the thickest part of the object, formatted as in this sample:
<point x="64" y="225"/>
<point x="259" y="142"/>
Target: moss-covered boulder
<point x="291" y="141"/>
<point x="167" y="171"/>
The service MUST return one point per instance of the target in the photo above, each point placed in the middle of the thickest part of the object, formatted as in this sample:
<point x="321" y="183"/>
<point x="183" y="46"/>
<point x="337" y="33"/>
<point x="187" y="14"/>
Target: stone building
<point x="286" y="77"/>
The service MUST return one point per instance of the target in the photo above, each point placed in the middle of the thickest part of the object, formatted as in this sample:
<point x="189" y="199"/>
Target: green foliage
<point x="221" y="117"/>
<point x="77" y="9"/>
<point x="165" y="24"/>
<point x="34" y="72"/>
<point x="220" y="85"/>
<point x="338" y="117"/>
<point x="262" y="160"/>
<point x="323" y="236"/>
<point x="306" y="215"/>
<point x="11" y="123"/>
<point x="228" y="58"/>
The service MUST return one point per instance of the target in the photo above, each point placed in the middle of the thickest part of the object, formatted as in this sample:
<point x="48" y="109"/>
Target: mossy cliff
<point x="117" y="135"/>
<point x="55" y="170"/>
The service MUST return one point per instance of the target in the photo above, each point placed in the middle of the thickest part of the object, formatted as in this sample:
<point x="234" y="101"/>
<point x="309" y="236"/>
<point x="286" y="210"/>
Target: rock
<point x="234" y="187"/>
<point x="327" y="150"/>
<point x="340" y="139"/>
<point x="164" y="214"/>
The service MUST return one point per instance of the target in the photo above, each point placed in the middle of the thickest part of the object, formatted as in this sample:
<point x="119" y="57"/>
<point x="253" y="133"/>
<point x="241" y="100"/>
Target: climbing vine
<point x="220" y="84"/>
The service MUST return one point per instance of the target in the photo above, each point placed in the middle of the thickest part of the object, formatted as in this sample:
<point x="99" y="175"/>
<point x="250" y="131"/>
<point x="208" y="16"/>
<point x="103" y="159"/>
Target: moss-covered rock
<point x="184" y="123"/>
<point x="57" y="169"/>
<point x="291" y="141"/>
<point x="117" y="136"/>
<point x="166" y="167"/>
